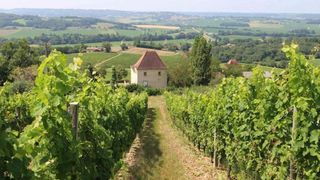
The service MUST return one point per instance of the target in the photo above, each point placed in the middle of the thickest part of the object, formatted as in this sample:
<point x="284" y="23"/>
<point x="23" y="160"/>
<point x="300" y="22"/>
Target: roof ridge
<point x="150" y="60"/>
<point x="140" y="60"/>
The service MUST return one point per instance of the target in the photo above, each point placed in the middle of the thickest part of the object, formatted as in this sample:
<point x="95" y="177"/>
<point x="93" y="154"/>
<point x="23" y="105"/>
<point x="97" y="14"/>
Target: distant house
<point x="248" y="74"/>
<point x="233" y="62"/>
<point x="229" y="45"/>
<point x="94" y="49"/>
<point x="150" y="71"/>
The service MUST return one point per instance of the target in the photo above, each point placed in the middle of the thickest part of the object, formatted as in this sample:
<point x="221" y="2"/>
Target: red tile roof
<point x="150" y="60"/>
<point x="233" y="61"/>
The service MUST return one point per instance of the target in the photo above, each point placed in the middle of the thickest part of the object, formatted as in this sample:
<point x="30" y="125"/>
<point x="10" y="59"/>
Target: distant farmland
<point x="148" y="26"/>
<point x="33" y="32"/>
<point x="7" y="32"/>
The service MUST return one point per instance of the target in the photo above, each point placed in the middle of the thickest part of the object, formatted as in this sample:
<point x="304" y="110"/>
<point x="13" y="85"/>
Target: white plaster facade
<point x="152" y="78"/>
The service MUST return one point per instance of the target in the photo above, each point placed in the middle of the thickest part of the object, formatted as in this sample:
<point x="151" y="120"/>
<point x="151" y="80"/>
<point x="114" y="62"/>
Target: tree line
<point x="53" y="23"/>
<point x="69" y="38"/>
<point x="247" y="32"/>
<point x="265" y="51"/>
<point x="17" y="54"/>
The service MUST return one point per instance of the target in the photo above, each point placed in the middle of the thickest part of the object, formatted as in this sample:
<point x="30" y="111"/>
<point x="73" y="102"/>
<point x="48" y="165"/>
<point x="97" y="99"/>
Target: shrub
<point x="136" y="88"/>
<point x="153" y="92"/>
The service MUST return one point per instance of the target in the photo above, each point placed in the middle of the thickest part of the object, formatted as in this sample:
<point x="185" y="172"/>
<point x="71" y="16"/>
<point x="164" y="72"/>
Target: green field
<point x="271" y="69"/>
<point x="315" y="62"/>
<point x="256" y="25"/>
<point x="21" y="21"/>
<point x="113" y="43"/>
<point x="91" y="58"/>
<point x="233" y="37"/>
<point x="285" y="26"/>
<point x="33" y="32"/>
<point x="175" y="41"/>
<point x="126" y="60"/>
<point x="117" y="43"/>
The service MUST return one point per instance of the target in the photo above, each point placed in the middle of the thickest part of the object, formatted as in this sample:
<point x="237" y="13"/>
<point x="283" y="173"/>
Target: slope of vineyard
<point x="37" y="139"/>
<point x="261" y="128"/>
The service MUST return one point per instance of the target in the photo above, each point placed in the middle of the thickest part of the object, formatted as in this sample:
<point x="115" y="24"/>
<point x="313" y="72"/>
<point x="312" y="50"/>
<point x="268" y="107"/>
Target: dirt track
<point x="160" y="151"/>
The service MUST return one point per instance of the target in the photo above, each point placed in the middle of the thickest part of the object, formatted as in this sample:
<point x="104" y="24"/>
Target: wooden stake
<point x="293" y="139"/>
<point x="74" y="108"/>
<point x="229" y="173"/>
<point x="215" y="148"/>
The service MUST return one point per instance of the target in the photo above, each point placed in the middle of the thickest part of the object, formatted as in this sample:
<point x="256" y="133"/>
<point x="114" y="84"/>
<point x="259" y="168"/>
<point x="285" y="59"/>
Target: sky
<point x="254" y="6"/>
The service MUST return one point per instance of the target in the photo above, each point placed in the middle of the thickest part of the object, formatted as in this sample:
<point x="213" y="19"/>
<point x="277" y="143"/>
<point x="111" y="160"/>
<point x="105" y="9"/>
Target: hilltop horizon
<point x="161" y="11"/>
<point x="228" y="6"/>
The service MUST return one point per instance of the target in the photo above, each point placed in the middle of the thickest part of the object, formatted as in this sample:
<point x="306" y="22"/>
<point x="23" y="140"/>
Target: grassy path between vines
<point x="160" y="151"/>
<point x="107" y="60"/>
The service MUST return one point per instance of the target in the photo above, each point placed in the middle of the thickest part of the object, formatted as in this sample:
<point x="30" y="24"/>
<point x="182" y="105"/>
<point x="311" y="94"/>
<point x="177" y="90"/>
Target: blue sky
<point x="286" y="6"/>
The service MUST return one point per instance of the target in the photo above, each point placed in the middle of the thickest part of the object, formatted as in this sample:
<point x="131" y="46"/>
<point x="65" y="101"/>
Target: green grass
<point x="274" y="69"/>
<point x="315" y="62"/>
<point x="175" y="41"/>
<point x="232" y="37"/>
<point x="113" y="43"/>
<point x="261" y="25"/>
<point x="130" y="33"/>
<point x="91" y="58"/>
<point x="26" y="32"/>
<point x="126" y="60"/>
<point x="32" y="32"/>
<point x="156" y="159"/>
<point x="171" y="61"/>
<point x="155" y="30"/>
<point x="96" y="57"/>
<point x="163" y="152"/>
<point x="264" y="68"/>
<point x="288" y="25"/>
<point x="213" y="22"/>
<point x="117" y="43"/>
<point x="21" y="21"/>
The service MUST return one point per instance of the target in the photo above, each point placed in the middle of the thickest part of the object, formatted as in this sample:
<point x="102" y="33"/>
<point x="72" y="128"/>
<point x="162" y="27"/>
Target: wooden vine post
<point x="18" y="116"/>
<point x="215" y="148"/>
<point x="74" y="111"/>
<point x="293" y="139"/>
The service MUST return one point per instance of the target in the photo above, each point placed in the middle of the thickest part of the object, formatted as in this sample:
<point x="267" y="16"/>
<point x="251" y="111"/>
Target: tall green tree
<point x="113" y="77"/>
<point x="201" y="61"/>
<point x="121" y="72"/>
<point x="107" y="47"/>
<point x="16" y="54"/>
<point x="124" y="46"/>
<point x="19" y="53"/>
<point x="4" y="70"/>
